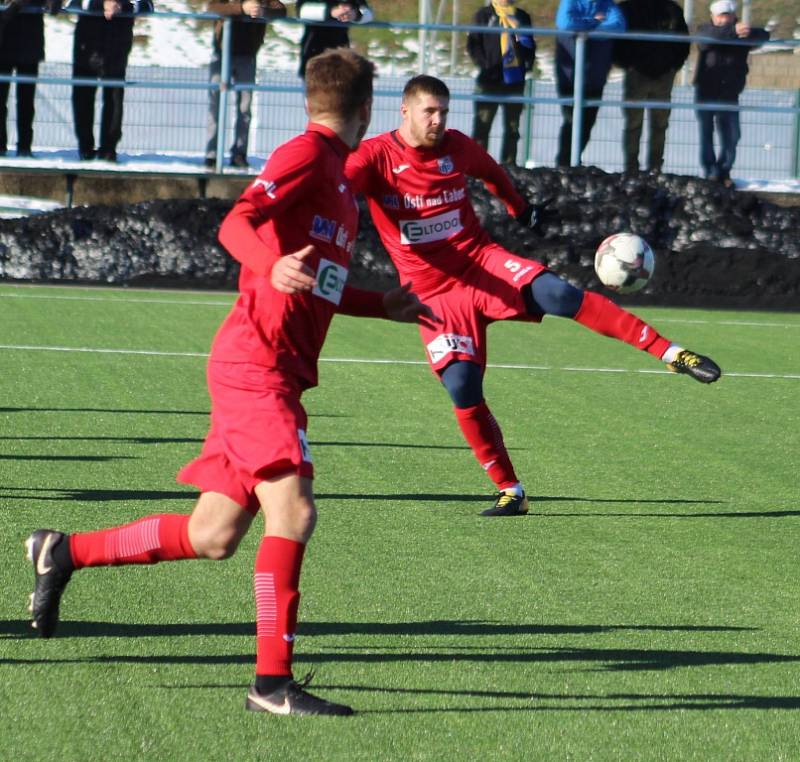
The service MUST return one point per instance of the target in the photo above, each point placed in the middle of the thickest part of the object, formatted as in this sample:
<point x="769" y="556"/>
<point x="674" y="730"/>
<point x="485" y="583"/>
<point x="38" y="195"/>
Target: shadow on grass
<point x="550" y="702"/>
<point x="132" y="440"/>
<point x="181" y="440"/>
<point x="70" y="458"/>
<point x="93" y="495"/>
<point x="588" y="659"/>
<point x="459" y="628"/>
<point x="135" y="411"/>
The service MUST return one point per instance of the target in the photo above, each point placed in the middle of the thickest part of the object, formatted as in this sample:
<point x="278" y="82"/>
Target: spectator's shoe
<point x="87" y="154"/>
<point x="700" y="368"/>
<point x="24" y="153"/>
<point x="727" y="182"/>
<point x="50" y="579"/>
<point x="209" y="162"/>
<point x="240" y="161"/>
<point x="292" y="698"/>
<point x="107" y="155"/>
<point x="508" y="504"/>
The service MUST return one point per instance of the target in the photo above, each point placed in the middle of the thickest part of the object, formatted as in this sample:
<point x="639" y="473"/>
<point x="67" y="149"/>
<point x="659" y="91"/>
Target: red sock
<point x="277" y="579"/>
<point x="483" y="435"/>
<point x="163" y="537"/>
<point x="603" y="316"/>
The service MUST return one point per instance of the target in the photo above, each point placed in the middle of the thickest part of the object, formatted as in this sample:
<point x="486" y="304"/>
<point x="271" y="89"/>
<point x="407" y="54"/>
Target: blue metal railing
<point x="532" y="97"/>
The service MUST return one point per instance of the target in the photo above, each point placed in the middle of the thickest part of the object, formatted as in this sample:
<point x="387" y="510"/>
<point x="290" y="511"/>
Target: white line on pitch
<point x="379" y="361"/>
<point x="120" y="300"/>
<point x="193" y="302"/>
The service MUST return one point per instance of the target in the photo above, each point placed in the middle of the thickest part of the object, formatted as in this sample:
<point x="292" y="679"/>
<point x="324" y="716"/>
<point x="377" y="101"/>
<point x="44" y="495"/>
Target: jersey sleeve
<point x="483" y="167"/>
<point x="288" y="177"/>
<point x="361" y="303"/>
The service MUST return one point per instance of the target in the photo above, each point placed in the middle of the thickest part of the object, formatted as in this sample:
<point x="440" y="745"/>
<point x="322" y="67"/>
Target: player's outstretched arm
<point x="403" y="305"/>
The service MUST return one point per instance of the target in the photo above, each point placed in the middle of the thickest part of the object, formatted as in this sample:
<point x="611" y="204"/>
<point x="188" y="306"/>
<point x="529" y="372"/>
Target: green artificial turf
<point x="646" y="608"/>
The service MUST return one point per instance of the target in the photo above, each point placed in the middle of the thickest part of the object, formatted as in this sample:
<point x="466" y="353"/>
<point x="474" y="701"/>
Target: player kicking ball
<point x="293" y="231"/>
<point x="414" y="180"/>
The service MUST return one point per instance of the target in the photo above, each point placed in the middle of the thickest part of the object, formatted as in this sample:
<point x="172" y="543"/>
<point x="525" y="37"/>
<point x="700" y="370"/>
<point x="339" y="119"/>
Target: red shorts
<point x="258" y="431"/>
<point x="490" y="290"/>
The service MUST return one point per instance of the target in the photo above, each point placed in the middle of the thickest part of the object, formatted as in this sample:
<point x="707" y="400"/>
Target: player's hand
<point x="291" y="275"/>
<point x="538" y="216"/>
<point x="403" y="305"/>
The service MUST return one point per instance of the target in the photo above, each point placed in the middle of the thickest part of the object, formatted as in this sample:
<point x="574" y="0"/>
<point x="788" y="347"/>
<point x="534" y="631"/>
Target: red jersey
<point x="420" y="205"/>
<point x="301" y="197"/>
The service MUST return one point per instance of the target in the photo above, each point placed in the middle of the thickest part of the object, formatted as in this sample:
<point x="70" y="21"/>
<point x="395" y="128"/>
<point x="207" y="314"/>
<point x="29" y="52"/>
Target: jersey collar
<point x="333" y="139"/>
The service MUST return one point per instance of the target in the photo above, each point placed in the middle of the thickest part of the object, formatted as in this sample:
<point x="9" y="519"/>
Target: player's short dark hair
<point x="338" y="81"/>
<point x="424" y="84"/>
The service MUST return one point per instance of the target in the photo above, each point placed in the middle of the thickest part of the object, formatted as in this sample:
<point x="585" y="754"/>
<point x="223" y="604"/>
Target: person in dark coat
<point x="720" y="78"/>
<point x="21" y="51"/>
<point x="583" y="16"/>
<point x="247" y="36"/>
<point x="318" y="38"/>
<point x="103" y="42"/>
<point x="502" y="60"/>
<point x="650" y="69"/>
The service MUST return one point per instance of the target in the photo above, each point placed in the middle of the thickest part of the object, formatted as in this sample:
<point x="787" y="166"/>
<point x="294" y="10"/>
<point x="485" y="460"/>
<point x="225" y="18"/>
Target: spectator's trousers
<point x="26" y="95"/>
<point x="243" y="71"/>
<point x="638" y="87"/>
<point x="485" y="112"/>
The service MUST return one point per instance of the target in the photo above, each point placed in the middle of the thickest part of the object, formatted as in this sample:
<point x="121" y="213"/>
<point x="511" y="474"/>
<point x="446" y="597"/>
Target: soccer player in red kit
<point x="293" y="231"/>
<point x="414" y="180"/>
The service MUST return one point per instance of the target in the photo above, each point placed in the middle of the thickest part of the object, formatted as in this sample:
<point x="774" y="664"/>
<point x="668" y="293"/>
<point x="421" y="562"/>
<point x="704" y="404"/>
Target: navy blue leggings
<point x="550" y="295"/>
<point x="547" y="295"/>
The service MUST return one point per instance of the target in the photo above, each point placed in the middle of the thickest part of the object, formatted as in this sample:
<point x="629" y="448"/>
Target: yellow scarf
<point x="506" y="14"/>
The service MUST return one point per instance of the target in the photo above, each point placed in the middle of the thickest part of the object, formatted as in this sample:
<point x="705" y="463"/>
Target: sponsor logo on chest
<point x="437" y="228"/>
<point x="330" y="281"/>
<point x="330" y="231"/>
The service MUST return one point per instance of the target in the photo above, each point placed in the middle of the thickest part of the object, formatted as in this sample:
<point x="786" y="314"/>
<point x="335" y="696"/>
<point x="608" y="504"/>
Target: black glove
<point x="538" y="216"/>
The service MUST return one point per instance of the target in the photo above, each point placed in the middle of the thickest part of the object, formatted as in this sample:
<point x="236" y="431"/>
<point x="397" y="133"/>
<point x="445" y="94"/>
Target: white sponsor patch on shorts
<point x="447" y="343"/>
<point x="304" y="448"/>
<point x="436" y="228"/>
<point x="330" y="281"/>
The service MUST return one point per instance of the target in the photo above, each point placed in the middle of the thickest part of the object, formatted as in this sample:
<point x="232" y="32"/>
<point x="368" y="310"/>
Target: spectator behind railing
<point x="103" y="41"/>
<point x="650" y="69"/>
<point x="246" y="38"/>
<point x="21" y="51"/>
<point x="720" y="78"/>
<point x="502" y="60"/>
<point x="317" y="38"/>
<point x="583" y="16"/>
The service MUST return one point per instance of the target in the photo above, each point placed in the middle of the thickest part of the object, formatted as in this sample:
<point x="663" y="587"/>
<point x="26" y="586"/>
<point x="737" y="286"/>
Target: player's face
<point x="424" y="120"/>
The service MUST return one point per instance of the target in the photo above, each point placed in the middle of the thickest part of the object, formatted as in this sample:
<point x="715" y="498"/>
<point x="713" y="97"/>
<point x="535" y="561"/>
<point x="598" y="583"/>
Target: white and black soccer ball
<point x="624" y="262"/>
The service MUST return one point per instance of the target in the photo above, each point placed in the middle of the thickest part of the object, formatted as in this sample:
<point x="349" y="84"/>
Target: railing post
<point x="528" y="130"/>
<point x="796" y="136"/>
<point x="578" y="99"/>
<point x="224" y="90"/>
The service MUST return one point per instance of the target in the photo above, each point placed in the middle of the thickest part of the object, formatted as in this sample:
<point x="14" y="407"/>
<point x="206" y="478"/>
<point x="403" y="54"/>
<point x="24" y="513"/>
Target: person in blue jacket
<point x="583" y="16"/>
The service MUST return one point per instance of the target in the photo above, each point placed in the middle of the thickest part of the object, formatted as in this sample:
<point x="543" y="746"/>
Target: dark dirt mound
<point x="715" y="247"/>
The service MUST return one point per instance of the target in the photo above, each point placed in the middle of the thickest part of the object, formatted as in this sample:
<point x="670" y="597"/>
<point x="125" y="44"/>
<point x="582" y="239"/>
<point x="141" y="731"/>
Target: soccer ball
<point x="624" y="263"/>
